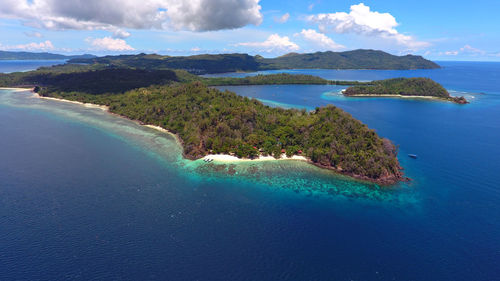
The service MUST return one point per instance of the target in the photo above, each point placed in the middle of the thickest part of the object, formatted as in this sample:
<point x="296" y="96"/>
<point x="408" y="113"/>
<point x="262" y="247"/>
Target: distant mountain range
<point x="5" y="55"/>
<point x="203" y="64"/>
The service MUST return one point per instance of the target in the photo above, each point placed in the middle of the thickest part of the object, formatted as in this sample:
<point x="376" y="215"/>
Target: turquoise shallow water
<point x="87" y="195"/>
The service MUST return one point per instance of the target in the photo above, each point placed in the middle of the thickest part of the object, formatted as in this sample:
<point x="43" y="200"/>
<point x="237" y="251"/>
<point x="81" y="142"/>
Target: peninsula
<point x="208" y="121"/>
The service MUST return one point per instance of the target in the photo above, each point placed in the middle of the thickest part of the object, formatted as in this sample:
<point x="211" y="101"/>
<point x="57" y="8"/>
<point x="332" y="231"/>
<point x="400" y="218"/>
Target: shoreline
<point x="231" y="158"/>
<point x="89" y="105"/>
<point x="16" y="89"/>
<point x="396" y="96"/>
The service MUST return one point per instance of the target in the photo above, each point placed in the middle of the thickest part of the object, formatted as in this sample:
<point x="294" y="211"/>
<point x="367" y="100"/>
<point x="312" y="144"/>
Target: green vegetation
<point x="357" y="59"/>
<point x="94" y="79"/>
<point x="5" y="55"/>
<point x="209" y="121"/>
<point x="404" y="87"/>
<point x="277" y="79"/>
<point x="202" y="64"/>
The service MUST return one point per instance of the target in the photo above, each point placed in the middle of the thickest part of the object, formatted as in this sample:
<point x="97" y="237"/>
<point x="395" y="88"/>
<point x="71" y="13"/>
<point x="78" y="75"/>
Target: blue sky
<point x="439" y="30"/>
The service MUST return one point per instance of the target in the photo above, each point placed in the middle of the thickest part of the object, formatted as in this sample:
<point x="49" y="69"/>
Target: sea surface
<point x="85" y="195"/>
<point x="8" y="66"/>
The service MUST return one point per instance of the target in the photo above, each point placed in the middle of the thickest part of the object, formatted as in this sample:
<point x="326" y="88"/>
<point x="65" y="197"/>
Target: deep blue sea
<point x="85" y="195"/>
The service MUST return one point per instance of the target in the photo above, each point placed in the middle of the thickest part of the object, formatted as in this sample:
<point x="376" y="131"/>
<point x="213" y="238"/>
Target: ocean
<point x="86" y="195"/>
<point x="8" y="66"/>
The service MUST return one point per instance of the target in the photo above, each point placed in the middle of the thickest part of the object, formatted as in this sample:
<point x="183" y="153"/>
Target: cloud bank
<point x="41" y="46"/>
<point x="116" y="15"/>
<point x="109" y="44"/>
<point x="319" y="40"/>
<point x="274" y="43"/>
<point x="361" y="20"/>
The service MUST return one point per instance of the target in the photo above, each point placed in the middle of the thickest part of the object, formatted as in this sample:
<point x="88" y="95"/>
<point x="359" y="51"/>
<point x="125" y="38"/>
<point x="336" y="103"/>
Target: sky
<point x="435" y="29"/>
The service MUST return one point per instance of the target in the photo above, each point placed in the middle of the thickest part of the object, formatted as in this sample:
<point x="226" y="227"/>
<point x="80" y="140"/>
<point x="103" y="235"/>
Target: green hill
<point x="202" y="64"/>
<point x="357" y="59"/>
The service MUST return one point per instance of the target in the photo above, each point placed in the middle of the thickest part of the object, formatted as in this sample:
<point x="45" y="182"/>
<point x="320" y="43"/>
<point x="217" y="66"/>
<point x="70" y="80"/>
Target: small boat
<point x="414" y="156"/>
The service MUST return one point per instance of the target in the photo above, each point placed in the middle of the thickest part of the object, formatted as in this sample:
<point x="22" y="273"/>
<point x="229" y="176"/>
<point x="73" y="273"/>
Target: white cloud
<point x="41" y="46"/>
<point x="115" y="15"/>
<point x="465" y="50"/>
<point x="195" y="49"/>
<point x="471" y="50"/>
<point x="361" y="20"/>
<point x="109" y="44"/>
<point x="274" y="43"/>
<point x="320" y="40"/>
<point x="284" y="18"/>
<point x="120" y="33"/>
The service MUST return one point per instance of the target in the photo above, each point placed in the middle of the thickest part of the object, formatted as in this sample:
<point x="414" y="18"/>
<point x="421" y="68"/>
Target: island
<point x="7" y="55"/>
<point x="208" y="121"/>
<point x="220" y="63"/>
<point x="403" y="87"/>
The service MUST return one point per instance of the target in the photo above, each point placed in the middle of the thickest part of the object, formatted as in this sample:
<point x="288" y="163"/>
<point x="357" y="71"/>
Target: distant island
<point x="403" y="87"/>
<point x="204" y="64"/>
<point x="208" y="121"/>
<point x="5" y="55"/>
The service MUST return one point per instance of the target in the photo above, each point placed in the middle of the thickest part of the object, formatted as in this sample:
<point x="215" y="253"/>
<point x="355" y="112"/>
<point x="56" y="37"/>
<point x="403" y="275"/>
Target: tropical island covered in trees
<point x="203" y="64"/>
<point x="410" y="87"/>
<point x="208" y="121"/>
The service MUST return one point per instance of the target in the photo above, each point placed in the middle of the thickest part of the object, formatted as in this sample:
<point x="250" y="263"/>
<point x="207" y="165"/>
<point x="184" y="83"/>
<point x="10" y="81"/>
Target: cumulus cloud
<point x="361" y="20"/>
<point x="41" y="46"/>
<point x="274" y="43"/>
<point x="320" y="40"/>
<point x="109" y="44"/>
<point x="284" y="18"/>
<point x="115" y="15"/>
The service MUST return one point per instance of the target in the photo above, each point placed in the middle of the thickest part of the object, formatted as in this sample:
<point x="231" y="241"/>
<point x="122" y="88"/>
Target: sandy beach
<point x="230" y="158"/>
<point x="396" y="96"/>
<point x="17" y="89"/>
<point x="90" y="105"/>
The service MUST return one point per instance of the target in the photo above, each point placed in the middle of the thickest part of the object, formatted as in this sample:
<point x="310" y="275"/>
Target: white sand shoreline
<point x="396" y="96"/>
<point x="17" y="89"/>
<point x="90" y="105"/>
<point x="231" y="158"/>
